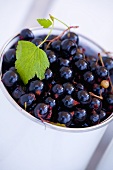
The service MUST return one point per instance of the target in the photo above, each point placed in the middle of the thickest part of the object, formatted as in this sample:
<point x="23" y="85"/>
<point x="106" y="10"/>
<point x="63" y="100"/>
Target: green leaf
<point x="45" y="22"/>
<point x="31" y="61"/>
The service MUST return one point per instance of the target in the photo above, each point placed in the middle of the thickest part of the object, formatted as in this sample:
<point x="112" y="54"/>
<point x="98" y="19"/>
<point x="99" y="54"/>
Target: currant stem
<point x="47" y="35"/>
<point x="101" y="60"/>
<point x="52" y="18"/>
<point x="94" y="95"/>
<point x="58" y="37"/>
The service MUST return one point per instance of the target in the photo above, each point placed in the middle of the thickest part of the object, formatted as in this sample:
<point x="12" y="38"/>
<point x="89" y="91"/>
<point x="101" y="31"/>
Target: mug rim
<point x="31" y="117"/>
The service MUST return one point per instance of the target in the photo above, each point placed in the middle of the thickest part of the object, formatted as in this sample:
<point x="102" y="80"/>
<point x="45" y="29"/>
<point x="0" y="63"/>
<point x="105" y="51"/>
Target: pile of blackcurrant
<point x="77" y="89"/>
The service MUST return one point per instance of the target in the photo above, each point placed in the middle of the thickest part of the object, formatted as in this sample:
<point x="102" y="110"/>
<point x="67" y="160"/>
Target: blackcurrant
<point x="66" y="73"/>
<point x="36" y="86"/>
<point x="83" y="97"/>
<point x="79" y="115"/>
<point x="68" y="88"/>
<point x="10" y="78"/>
<point x="95" y="104"/>
<point x="18" y="91"/>
<point x="26" y="100"/>
<point x="68" y="47"/>
<point x="81" y="65"/>
<point x="26" y="34"/>
<point x="42" y="110"/>
<point x="64" y="118"/>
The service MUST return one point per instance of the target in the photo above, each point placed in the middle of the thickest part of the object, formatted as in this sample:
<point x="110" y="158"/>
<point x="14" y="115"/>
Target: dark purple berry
<point x="102" y="72"/>
<point x="68" y="88"/>
<point x="102" y="115"/>
<point x="95" y="104"/>
<point x="56" y="45"/>
<point x="97" y="89"/>
<point x="36" y="87"/>
<point x="109" y="99"/>
<point x="81" y="65"/>
<point x="48" y="74"/>
<point x="42" y="110"/>
<point x="10" y="78"/>
<point x="79" y="115"/>
<point x="50" y="101"/>
<point x="72" y="36"/>
<point x="10" y="57"/>
<point x="58" y="89"/>
<point x="64" y="118"/>
<point x="94" y="118"/>
<point x="78" y="56"/>
<point x="26" y="100"/>
<point x="68" y="47"/>
<point x="66" y="73"/>
<point x="68" y="101"/>
<point x="91" y="59"/>
<point x="83" y="97"/>
<point x="108" y="63"/>
<point x="18" y="92"/>
<point x="79" y="87"/>
<point x="51" y="56"/>
<point x="37" y="41"/>
<point x="88" y="77"/>
<point x="64" y="62"/>
<point x="26" y="34"/>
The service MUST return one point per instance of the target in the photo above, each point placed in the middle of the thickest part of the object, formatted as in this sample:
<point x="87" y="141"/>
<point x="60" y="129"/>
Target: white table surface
<point x="95" y="20"/>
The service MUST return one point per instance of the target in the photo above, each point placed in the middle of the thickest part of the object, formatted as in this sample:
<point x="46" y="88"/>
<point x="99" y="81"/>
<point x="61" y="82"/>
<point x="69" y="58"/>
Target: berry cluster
<point x="76" y="90"/>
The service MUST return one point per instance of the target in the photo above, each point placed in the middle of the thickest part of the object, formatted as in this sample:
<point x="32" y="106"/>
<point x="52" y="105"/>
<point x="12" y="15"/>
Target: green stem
<point x="52" y="17"/>
<point x="47" y="35"/>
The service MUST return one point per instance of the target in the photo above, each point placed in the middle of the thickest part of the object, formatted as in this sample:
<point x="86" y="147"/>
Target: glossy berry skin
<point x="72" y="36"/>
<point x="93" y="66"/>
<point x="56" y="45"/>
<point x="66" y="72"/>
<point x="36" y="87"/>
<point x="10" y="78"/>
<point x="50" y="101"/>
<point x="58" y="89"/>
<point x="95" y="104"/>
<point x="51" y="56"/>
<point x="64" y="118"/>
<point x="26" y="100"/>
<point x="79" y="115"/>
<point x="48" y="74"/>
<point x="91" y="59"/>
<point x="26" y="34"/>
<point x="68" y="47"/>
<point x="64" y="62"/>
<point x="108" y="63"/>
<point x="81" y="65"/>
<point x="102" y="72"/>
<point x="68" y="101"/>
<point x="79" y="87"/>
<point x="97" y="89"/>
<point x="68" y="88"/>
<point x="41" y="109"/>
<point x="102" y="115"/>
<point x="18" y="91"/>
<point x="88" y="77"/>
<point x="10" y="57"/>
<point x="108" y="102"/>
<point x="37" y="41"/>
<point x="109" y="99"/>
<point x="78" y="56"/>
<point x="83" y="97"/>
<point x="94" y="118"/>
<point x="12" y="69"/>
